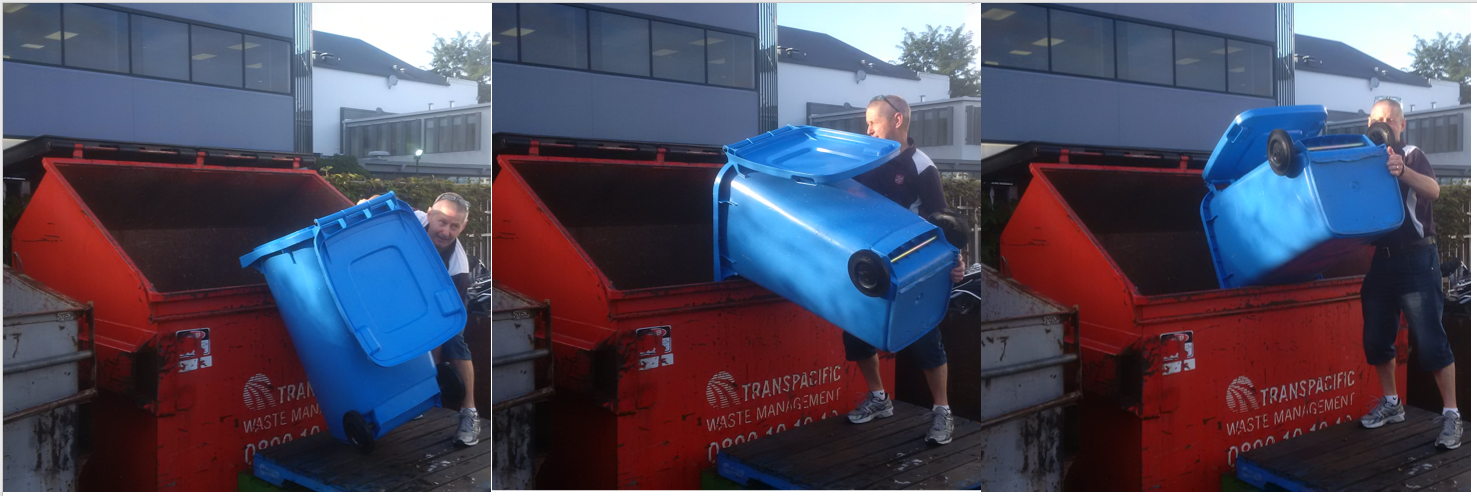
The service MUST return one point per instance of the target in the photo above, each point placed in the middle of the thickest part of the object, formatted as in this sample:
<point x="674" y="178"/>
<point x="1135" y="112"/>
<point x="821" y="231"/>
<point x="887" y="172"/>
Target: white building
<point x="453" y="142"/>
<point x="1348" y="81"/>
<point x="948" y="131"/>
<point x="819" y="74"/>
<point x="354" y="80"/>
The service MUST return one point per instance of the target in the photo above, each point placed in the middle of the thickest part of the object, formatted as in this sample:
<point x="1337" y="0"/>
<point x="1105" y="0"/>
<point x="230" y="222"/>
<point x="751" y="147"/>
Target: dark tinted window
<point x="95" y="38"/>
<point x="730" y="60"/>
<point x="505" y="31"/>
<point x="1145" y="53"/>
<point x="677" y="52"/>
<point x="1250" y="71"/>
<point x="216" y="56"/>
<point x="1199" y="61"/>
<point x="266" y="64"/>
<point x="619" y="44"/>
<point x="553" y="35"/>
<point x="1081" y="44"/>
<point x="33" y="32"/>
<point x="1014" y="36"/>
<point x="161" y="48"/>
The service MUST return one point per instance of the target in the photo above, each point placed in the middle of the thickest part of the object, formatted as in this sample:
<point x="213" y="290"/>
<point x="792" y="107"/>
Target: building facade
<point x="945" y="130"/>
<point x="676" y="73"/>
<point x="1347" y="81"/>
<point x="819" y="74"/>
<point x="215" y="75"/>
<point x="452" y="142"/>
<point x="1161" y="76"/>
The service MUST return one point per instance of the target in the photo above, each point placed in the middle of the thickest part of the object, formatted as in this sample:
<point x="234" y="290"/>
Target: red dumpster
<point x="658" y="368"/>
<point x="1182" y="376"/>
<point x="195" y="367"/>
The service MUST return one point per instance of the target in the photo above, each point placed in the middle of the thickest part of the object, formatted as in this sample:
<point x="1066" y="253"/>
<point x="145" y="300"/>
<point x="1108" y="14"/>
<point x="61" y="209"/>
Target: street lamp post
<point x="418" y="161"/>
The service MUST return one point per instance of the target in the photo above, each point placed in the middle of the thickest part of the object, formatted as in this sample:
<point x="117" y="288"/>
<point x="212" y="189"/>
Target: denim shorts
<point x="927" y="351"/>
<point x="456" y="348"/>
<point x="1408" y="283"/>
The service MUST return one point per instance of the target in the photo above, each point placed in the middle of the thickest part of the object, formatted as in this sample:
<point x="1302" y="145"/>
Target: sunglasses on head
<point x="884" y="98"/>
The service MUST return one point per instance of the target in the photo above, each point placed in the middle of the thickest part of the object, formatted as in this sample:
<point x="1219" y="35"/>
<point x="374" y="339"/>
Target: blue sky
<point x="877" y="28"/>
<point x="1356" y="24"/>
<point x="404" y="30"/>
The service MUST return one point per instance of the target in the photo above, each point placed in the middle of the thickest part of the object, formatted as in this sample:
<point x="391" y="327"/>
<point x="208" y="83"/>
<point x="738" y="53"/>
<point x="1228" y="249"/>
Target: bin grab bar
<point x="1066" y="399"/>
<point x="518" y="357"/>
<point x="76" y="356"/>
<point x="49" y="406"/>
<point x="1031" y="365"/>
<point x="913" y="249"/>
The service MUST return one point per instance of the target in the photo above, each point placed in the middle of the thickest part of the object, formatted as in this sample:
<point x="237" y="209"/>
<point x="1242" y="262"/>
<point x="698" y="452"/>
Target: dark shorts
<point x="456" y="349"/>
<point x="927" y="351"/>
<point x="1408" y="283"/>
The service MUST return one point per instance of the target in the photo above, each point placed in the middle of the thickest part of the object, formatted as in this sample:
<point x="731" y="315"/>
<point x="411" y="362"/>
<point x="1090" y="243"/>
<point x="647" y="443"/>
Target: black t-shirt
<point x="1419" y="214"/>
<point x="910" y="180"/>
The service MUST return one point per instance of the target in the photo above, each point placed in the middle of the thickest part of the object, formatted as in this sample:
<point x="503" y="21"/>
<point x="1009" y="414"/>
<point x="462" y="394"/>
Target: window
<point x="1199" y="61"/>
<point x="730" y="60"/>
<point x="160" y="48"/>
<point x="972" y="125"/>
<point x="677" y="52"/>
<point x="33" y="32"/>
<point x="552" y="35"/>
<point x="430" y="145"/>
<point x="620" y="44"/>
<point x="474" y="137"/>
<point x="505" y="31"/>
<point x="1081" y="44"/>
<point x="94" y="38"/>
<point x="267" y="65"/>
<point x="1145" y="53"/>
<point x="931" y="127"/>
<point x="1250" y="71"/>
<point x="413" y="137"/>
<point x="1017" y="37"/>
<point x="217" y="56"/>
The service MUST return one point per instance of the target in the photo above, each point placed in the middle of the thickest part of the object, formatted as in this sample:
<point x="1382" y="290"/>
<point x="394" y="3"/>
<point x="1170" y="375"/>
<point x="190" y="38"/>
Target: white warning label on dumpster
<point x="193" y="348"/>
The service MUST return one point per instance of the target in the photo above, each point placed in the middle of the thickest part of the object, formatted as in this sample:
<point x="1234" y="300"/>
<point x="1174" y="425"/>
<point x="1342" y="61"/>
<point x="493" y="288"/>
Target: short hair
<point x="462" y="205"/>
<point x="1399" y="110"/>
<point x="896" y="103"/>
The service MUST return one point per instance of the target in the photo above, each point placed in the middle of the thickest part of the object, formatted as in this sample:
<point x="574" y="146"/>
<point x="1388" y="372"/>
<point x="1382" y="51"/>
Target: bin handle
<point x="339" y="221"/>
<point x="913" y="249"/>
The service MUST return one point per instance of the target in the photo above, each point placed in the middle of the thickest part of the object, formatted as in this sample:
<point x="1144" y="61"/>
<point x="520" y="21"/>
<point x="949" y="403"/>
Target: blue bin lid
<point x="391" y="286"/>
<point x="1244" y="146"/>
<point x="811" y="153"/>
<point x="277" y="245"/>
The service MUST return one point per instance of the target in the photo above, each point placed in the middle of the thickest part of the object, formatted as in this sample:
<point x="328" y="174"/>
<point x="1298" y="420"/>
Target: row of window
<point x="1042" y="39"/>
<point x="930" y="127"/>
<point x="1438" y="134"/>
<point x="443" y="134"/>
<point x="100" y="39"/>
<point x="577" y="38"/>
<point x="972" y="125"/>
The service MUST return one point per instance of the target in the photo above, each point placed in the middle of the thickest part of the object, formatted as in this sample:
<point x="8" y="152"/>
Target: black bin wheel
<point x="1381" y="134"/>
<point x="954" y="227"/>
<point x="359" y="432"/>
<point x="869" y="273"/>
<point x="1279" y="152"/>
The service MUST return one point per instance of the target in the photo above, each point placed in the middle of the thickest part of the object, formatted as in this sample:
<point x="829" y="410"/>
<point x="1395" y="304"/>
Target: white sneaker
<point x="471" y="427"/>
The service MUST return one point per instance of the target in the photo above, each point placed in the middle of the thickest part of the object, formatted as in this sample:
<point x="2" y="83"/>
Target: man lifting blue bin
<point x="365" y="298"/>
<point x="1286" y="204"/>
<point x="788" y="217"/>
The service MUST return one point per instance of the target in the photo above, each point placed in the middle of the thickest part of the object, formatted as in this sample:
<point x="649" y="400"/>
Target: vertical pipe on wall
<point x="1284" y="66"/>
<point x="302" y="78"/>
<point x="767" y="67"/>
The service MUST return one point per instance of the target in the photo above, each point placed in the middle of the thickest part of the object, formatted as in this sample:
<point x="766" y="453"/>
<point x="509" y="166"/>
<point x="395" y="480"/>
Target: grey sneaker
<point x="1451" y="431"/>
<point x="1382" y="414"/>
<point x="869" y="409"/>
<point x="942" y="431"/>
<point x="466" y="434"/>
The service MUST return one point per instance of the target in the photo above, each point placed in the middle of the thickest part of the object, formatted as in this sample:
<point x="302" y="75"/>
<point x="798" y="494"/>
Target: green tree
<point x="1446" y="57"/>
<point x="465" y="56"/>
<point x="947" y="51"/>
<point x="1452" y="213"/>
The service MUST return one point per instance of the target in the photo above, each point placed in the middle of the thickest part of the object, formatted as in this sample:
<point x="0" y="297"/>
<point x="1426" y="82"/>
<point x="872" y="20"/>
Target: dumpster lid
<point x="367" y="268"/>
<point x="1244" y="146"/>
<point x="817" y="154"/>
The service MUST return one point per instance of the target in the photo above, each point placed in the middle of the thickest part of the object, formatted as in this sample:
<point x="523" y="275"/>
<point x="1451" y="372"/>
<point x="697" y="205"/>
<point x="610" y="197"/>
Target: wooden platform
<point x="882" y="454"/>
<point x="417" y="456"/>
<point x="1349" y="457"/>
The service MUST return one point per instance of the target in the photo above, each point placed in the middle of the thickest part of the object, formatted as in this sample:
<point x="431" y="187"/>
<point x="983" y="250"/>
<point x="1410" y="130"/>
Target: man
<point x="1405" y="279"/>
<point x="444" y="222"/>
<point x="912" y="181"/>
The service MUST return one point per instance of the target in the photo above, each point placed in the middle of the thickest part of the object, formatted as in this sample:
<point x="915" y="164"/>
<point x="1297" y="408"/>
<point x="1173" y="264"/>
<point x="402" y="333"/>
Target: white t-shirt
<point x="458" y="263"/>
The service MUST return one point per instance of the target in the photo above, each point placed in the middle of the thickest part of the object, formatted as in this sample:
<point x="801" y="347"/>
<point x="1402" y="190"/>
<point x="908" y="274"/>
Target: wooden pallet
<point x="882" y="454"/>
<point x="417" y="456"/>
<point x="1349" y="457"/>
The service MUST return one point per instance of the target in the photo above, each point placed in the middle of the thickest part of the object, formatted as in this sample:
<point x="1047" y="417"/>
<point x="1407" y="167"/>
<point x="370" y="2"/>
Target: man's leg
<point x="1446" y="382"/>
<point x="1386" y="373"/>
<point x="464" y="369"/>
<point x="876" y="404"/>
<point x="1421" y="301"/>
<point x="871" y="368"/>
<point x="938" y="384"/>
<point x="456" y="352"/>
<point x="1379" y="301"/>
<point x="928" y="353"/>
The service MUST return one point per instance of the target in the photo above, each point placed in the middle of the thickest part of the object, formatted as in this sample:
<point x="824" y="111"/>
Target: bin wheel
<point x="1279" y="152"/>
<point x="1381" y="134"/>
<point x="359" y="432"/>
<point x="869" y="273"/>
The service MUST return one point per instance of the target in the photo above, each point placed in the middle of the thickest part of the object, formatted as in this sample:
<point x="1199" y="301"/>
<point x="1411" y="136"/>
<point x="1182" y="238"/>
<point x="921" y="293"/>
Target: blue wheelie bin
<point x="365" y="298"/>
<point x="1285" y="204"/>
<point x="788" y="216"/>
